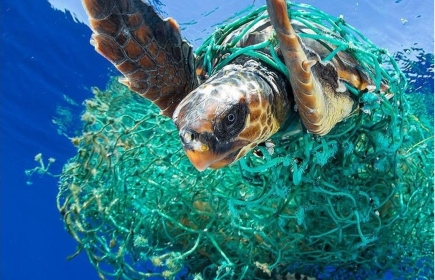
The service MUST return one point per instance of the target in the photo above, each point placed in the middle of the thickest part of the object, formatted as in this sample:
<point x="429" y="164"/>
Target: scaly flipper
<point x="147" y="50"/>
<point x="315" y="86"/>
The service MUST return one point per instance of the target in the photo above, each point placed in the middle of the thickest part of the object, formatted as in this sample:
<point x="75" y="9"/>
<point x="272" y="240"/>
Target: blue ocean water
<point x="47" y="69"/>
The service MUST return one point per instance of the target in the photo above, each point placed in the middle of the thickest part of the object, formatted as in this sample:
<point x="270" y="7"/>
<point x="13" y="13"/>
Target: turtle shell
<point x="347" y="67"/>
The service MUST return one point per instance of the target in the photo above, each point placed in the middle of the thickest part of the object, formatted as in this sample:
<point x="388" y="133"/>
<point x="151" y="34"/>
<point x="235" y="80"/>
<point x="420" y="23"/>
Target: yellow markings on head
<point x="264" y="130"/>
<point x="199" y="146"/>
<point x="263" y="119"/>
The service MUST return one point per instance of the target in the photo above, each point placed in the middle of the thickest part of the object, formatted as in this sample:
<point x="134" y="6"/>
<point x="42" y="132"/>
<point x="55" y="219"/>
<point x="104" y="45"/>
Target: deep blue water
<point x="47" y="68"/>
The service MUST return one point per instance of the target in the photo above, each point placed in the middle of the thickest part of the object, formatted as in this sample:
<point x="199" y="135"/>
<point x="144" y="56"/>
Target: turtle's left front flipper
<point x="156" y="62"/>
<point x="321" y="101"/>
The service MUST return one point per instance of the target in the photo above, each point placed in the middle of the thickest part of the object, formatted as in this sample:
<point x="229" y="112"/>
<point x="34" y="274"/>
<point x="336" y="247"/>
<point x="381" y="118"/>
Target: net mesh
<point x="357" y="202"/>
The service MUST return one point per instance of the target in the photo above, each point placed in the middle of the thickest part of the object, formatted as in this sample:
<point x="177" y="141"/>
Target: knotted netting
<point x="356" y="203"/>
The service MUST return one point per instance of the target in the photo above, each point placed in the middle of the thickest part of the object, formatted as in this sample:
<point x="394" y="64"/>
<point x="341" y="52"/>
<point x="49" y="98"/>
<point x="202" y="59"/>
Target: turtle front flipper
<point x="320" y="99"/>
<point x="156" y="62"/>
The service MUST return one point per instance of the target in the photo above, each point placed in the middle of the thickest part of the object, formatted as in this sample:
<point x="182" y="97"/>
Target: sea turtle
<point x="222" y="117"/>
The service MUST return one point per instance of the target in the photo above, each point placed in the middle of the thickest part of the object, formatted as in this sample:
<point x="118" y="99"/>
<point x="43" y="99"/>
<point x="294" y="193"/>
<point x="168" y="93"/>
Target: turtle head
<point x="226" y="117"/>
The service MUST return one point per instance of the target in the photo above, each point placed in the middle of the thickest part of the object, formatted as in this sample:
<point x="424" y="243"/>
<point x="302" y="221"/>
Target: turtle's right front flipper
<point x="156" y="62"/>
<point x="321" y="102"/>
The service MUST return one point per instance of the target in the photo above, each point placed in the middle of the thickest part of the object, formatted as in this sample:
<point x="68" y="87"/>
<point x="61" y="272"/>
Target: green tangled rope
<point x="351" y="202"/>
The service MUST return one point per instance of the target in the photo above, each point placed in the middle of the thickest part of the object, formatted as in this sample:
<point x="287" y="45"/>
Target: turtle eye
<point x="232" y="123"/>
<point x="231" y="118"/>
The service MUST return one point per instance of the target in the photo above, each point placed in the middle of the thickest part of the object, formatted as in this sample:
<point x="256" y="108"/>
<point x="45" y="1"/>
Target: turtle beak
<point x="198" y="151"/>
<point x="201" y="160"/>
<point x="205" y="152"/>
<point x="207" y="159"/>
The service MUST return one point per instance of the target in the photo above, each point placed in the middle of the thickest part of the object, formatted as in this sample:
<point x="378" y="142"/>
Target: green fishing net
<point x="354" y="204"/>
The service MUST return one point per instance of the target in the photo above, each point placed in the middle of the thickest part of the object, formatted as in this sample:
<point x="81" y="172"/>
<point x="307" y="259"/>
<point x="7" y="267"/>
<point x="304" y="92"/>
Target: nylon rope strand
<point x="345" y="204"/>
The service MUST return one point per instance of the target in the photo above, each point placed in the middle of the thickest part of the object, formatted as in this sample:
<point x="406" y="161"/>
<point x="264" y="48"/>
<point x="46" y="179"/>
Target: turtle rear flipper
<point x="156" y="62"/>
<point x="314" y="84"/>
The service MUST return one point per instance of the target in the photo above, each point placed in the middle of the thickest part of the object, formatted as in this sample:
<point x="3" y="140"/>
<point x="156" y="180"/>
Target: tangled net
<point x="355" y="203"/>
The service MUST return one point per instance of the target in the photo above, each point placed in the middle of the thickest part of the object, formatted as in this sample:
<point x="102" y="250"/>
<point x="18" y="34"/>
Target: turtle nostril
<point x="188" y="136"/>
